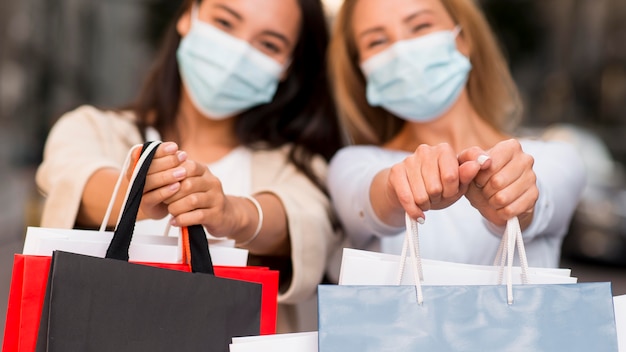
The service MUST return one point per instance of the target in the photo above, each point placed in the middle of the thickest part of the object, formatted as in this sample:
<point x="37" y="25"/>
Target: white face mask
<point x="417" y="79"/>
<point x="224" y="75"/>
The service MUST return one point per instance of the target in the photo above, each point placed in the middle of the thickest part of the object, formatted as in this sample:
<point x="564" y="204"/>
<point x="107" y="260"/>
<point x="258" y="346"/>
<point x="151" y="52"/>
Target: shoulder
<point x="87" y="116"/>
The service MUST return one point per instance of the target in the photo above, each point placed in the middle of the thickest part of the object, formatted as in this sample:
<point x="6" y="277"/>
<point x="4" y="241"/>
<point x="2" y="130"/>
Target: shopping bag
<point x="526" y="317"/>
<point x="145" y="248"/>
<point x="359" y="267"/>
<point x="295" y="342"/>
<point x="620" y="320"/>
<point x="28" y="287"/>
<point x="109" y="304"/>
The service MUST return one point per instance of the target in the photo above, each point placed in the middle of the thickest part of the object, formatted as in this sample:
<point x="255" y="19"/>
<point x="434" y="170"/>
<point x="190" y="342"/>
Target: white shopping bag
<point x="297" y="342"/>
<point x="145" y="248"/>
<point x="360" y="267"/>
<point x="619" y="303"/>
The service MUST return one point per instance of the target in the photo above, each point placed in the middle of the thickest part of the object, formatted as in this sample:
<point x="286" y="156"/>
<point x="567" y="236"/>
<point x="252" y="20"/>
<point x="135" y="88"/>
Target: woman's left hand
<point x="201" y="200"/>
<point x="507" y="188"/>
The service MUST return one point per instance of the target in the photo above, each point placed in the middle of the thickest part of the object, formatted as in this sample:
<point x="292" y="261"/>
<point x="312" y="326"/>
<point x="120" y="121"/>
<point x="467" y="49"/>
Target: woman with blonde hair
<point x="425" y="94"/>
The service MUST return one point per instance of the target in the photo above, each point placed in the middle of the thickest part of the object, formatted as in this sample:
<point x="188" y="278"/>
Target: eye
<point x="223" y="23"/>
<point x="270" y="47"/>
<point x="420" y="27"/>
<point x="374" y="43"/>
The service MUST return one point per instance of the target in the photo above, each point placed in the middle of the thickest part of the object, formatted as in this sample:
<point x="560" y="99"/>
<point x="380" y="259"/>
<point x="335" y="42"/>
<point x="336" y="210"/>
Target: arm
<point x="372" y="198"/>
<point x="193" y="195"/>
<point x="560" y="179"/>
<point x="84" y="143"/>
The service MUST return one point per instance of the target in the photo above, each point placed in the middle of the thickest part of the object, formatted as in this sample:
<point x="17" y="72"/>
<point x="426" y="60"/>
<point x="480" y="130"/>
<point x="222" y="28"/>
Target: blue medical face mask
<point x="417" y="79"/>
<point x="224" y="75"/>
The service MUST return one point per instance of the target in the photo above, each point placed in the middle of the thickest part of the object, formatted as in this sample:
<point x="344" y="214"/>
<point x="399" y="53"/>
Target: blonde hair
<point x="490" y="87"/>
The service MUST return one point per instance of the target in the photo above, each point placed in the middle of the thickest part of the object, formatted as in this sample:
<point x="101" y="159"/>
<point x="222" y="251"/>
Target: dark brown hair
<point x="301" y="113"/>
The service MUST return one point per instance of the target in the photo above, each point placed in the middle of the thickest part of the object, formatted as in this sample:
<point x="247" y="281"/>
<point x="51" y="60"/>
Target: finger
<point x="165" y="149"/>
<point x="518" y="189"/>
<point x="166" y="162"/>
<point x="196" y="201"/>
<point x="195" y="169"/>
<point x="468" y="171"/>
<point x="519" y="167"/>
<point x="164" y="178"/>
<point x="522" y="205"/>
<point x="475" y="154"/>
<point x="500" y="155"/>
<point x="405" y="192"/>
<point x="449" y="174"/>
<point x="194" y="217"/>
<point x="206" y="183"/>
<point x="430" y="180"/>
<point x="158" y="195"/>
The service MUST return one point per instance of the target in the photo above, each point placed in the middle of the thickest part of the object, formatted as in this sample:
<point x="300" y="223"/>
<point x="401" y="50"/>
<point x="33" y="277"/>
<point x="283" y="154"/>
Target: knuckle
<point x="405" y="197"/>
<point x="499" y="200"/>
<point x="194" y="200"/>
<point x="497" y="182"/>
<point x="434" y="190"/>
<point x="507" y="212"/>
<point x="449" y="177"/>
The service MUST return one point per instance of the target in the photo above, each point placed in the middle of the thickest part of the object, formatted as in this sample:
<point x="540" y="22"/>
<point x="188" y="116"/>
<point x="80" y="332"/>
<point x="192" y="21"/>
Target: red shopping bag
<point x="28" y="288"/>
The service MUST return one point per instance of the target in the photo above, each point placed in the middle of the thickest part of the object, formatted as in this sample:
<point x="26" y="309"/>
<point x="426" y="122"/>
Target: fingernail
<point x="421" y="220"/>
<point x="173" y="222"/>
<point x="182" y="156"/>
<point x="179" y="173"/>
<point x="170" y="147"/>
<point x="482" y="159"/>
<point x="174" y="186"/>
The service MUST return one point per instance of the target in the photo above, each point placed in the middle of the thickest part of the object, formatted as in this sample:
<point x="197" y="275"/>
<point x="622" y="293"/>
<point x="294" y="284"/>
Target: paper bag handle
<point x="120" y="243"/>
<point x="511" y="237"/>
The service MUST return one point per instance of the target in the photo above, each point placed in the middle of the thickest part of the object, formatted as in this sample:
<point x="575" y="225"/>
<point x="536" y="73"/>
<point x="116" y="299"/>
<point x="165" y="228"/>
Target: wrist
<point x="249" y="222"/>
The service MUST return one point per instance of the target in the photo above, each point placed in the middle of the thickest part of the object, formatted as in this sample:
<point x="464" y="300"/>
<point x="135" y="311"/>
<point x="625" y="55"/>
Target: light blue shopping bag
<point x="546" y="317"/>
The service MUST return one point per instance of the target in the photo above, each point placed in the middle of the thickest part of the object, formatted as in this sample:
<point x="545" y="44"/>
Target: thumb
<point x="475" y="154"/>
<point x="468" y="171"/>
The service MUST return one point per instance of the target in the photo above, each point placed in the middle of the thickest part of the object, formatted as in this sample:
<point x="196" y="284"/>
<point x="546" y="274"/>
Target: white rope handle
<point x="512" y="235"/>
<point x="125" y="166"/>
<point x="411" y="244"/>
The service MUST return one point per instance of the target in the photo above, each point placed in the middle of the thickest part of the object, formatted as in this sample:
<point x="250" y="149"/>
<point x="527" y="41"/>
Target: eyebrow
<point x="229" y="10"/>
<point x="407" y="19"/>
<point x="238" y="16"/>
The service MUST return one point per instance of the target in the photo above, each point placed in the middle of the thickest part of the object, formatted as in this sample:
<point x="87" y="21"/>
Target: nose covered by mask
<point x="417" y="79"/>
<point x="224" y="75"/>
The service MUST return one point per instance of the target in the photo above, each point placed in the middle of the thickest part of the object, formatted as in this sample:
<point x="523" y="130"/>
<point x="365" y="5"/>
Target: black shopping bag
<point x="108" y="304"/>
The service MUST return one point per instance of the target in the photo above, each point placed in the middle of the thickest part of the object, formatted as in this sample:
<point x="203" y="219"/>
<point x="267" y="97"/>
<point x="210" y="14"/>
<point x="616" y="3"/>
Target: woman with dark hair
<point x="239" y="86"/>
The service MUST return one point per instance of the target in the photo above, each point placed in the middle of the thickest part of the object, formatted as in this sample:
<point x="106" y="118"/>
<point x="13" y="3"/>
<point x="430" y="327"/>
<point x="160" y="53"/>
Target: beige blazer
<point x="88" y="139"/>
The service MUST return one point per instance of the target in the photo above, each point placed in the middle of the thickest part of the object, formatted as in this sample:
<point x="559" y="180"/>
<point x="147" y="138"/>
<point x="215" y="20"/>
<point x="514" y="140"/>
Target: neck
<point x="204" y="139"/>
<point x="460" y="127"/>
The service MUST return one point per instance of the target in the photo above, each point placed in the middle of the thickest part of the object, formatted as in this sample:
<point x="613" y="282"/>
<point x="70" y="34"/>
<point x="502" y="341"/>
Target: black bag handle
<point x="120" y="243"/>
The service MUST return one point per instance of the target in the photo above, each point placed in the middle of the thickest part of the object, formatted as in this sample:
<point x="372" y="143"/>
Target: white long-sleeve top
<point x="459" y="233"/>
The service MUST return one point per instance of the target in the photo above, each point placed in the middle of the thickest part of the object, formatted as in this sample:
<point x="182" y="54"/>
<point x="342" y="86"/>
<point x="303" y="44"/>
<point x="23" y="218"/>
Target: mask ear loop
<point x="194" y="13"/>
<point x="456" y="30"/>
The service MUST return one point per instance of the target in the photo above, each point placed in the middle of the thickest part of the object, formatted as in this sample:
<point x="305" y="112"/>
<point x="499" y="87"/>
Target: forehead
<point x="371" y="13"/>
<point x="276" y="15"/>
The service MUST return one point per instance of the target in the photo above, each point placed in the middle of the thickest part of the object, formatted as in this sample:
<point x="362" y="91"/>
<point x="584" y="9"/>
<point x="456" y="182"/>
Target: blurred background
<point x="567" y="56"/>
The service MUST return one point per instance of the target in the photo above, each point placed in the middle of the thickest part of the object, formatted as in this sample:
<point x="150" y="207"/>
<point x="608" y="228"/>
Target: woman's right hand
<point x="163" y="179"/>
<point x="430" y="178"/>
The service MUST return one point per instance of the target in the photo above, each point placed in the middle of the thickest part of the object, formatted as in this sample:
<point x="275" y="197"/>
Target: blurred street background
<point x="567" y="56"/>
